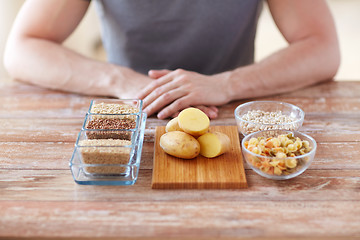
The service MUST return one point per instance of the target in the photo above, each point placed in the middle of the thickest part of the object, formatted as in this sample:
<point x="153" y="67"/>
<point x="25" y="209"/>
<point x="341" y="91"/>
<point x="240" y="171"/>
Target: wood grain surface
<point x="223" y="172"/>
<point x="40" y="200"/>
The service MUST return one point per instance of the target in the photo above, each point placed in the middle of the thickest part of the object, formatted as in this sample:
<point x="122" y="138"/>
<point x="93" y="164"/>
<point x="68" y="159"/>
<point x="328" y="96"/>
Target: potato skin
<point x="180" y="144"/>
<point x="173" y="125"/>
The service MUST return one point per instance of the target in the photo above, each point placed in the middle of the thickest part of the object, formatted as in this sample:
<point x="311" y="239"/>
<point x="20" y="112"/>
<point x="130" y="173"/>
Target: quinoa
<point x="107" y="123"/>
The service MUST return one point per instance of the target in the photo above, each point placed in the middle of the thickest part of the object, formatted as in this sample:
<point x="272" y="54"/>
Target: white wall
<point x="83" y="40"/>
<point x="347" y="19"/>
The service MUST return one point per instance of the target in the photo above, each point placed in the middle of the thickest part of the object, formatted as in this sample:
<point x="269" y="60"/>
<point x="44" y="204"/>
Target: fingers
<point x="167" y="89"/>
<point x="214" y="108"/>
<point x="163" y="95"/>
<point x="155" y="74"/>
<point x="174" y="108"/>
<point x="159" y="76"/>
<point x="174" y="115"/>
<point x="210" y="111"/>
<point x="153" y="104"/>
<point x="152" y="86"/>
<point x="171" y="92"/>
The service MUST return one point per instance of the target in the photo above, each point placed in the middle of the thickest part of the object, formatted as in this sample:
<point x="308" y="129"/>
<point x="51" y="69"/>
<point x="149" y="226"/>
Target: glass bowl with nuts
<point x="268" y="115"/>
<point x="278" y="154"/>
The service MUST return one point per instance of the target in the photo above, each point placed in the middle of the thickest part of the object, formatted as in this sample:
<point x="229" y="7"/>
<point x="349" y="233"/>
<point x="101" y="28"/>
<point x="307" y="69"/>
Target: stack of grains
<point x="108" y="147"/>
<point x="110" y="116"/>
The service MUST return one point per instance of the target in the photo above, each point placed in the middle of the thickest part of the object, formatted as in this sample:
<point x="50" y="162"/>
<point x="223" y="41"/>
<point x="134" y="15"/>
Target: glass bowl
<point x="264" y="158"/>
<point x="267" y="115"/>
<point x="108" y="156"/>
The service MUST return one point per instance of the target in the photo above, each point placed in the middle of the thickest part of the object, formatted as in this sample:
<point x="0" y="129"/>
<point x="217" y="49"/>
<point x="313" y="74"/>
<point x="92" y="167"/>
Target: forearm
<point x="312" y="55"/>
<point x="303" y="63"/>
<point x="51" y="65"/>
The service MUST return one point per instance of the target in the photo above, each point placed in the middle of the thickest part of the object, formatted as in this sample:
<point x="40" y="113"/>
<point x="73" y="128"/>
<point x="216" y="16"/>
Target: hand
<point x="133" y="84"/>
<point x="173" y="91"/>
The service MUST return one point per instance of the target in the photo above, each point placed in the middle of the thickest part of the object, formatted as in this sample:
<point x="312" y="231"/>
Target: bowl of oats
<point x="268" y="115"/>
<point x="278" y="154"/>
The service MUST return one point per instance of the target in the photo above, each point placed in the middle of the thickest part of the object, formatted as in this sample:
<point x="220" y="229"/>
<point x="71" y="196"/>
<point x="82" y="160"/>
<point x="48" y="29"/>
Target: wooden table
<point x="38" y="197"/>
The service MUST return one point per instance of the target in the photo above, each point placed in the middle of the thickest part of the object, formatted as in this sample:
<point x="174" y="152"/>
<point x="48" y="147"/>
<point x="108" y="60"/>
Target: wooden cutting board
<point x="223" y="172"/>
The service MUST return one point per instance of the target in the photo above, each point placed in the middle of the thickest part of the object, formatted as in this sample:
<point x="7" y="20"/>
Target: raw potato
<point x="180" y="144"/>
<point x="172" y="125"/>
<point x="193" y="121"/>
<point x="213" y="144"/>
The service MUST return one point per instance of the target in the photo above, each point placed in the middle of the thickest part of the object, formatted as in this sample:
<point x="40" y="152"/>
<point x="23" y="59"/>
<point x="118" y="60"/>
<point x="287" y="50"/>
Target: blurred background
<point x="86" y="38"/>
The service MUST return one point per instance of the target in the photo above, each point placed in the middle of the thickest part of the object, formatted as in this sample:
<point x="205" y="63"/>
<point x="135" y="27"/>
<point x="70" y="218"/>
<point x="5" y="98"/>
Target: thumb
<point x="155" y="74"/>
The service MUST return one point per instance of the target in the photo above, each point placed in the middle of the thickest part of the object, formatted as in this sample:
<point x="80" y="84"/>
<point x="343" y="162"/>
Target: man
<point x="174" y="54"/>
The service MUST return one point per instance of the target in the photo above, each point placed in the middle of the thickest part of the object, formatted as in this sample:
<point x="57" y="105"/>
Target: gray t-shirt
<point x="206" y="36"/>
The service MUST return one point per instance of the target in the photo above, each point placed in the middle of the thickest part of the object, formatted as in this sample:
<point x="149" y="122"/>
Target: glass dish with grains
<point x="108" y="148"/>
<point x="278" y="154"/>
<point x="268" y="115"/>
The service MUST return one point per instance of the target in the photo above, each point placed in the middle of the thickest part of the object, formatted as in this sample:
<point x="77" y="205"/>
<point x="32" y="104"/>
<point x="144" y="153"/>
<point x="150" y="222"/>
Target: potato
<point x="172" y="125"/>
<point x="213" y="144"/>
<point x="180" y="144"/>
<point x="193" y="121"/>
